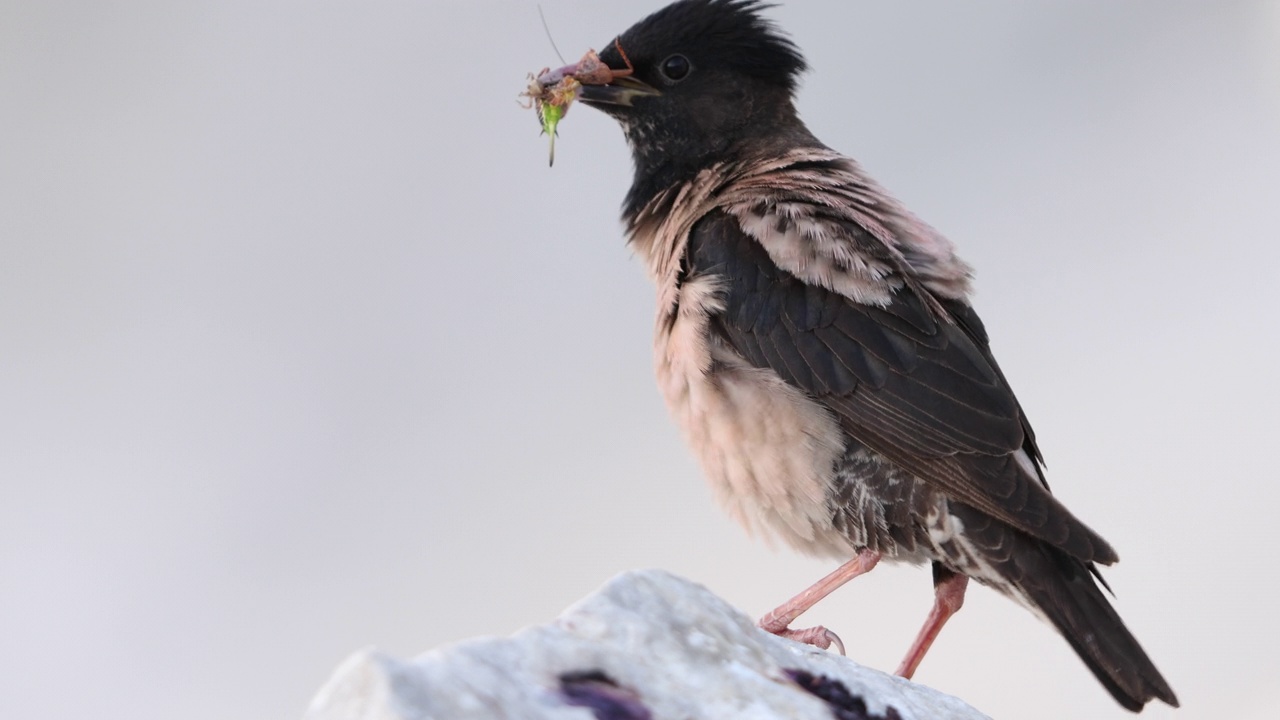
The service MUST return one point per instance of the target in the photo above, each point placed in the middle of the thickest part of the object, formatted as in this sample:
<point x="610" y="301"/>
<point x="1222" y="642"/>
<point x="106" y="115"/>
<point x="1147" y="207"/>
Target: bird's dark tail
<point x="1065" y="592"/>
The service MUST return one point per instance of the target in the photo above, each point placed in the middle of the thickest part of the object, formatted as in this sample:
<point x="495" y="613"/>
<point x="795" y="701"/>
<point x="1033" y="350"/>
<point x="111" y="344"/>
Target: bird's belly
<point x="769" y="452"/>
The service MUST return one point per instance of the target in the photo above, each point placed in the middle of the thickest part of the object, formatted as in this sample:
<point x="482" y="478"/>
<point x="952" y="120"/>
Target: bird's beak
<point x="619" y="91"/>
<point x="599" y="84"/>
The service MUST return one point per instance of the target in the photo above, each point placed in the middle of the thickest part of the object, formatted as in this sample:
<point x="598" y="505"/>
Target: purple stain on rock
<point x="597" y="692"/>
<point x="844" y="704"/>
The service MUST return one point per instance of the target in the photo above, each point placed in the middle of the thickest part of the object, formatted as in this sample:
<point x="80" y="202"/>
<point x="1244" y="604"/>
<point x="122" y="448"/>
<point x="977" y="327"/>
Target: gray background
<point x="304" y="348"/>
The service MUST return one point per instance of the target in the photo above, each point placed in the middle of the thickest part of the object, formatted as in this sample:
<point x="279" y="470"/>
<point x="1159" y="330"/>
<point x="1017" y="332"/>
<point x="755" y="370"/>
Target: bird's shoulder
<point x="822" y="218"/>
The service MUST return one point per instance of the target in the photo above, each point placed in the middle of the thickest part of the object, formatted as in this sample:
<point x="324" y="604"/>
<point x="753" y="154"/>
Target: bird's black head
<point x="712" y="80"/>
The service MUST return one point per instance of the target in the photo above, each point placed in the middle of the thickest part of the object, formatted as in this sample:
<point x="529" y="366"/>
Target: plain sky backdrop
<point x="303" y="347"/>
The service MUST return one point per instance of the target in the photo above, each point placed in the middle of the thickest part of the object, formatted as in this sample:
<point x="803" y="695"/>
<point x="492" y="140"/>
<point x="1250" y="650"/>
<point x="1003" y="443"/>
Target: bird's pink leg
<point x="948" y="597"/>
<point x="777" y="621"/>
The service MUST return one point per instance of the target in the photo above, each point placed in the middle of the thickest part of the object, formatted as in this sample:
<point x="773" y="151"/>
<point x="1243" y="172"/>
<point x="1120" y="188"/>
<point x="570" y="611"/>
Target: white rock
<point x="646" y="645"/>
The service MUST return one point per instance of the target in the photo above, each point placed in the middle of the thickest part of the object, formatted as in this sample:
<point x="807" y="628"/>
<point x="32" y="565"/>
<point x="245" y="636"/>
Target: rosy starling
<point x="816" y="343"/>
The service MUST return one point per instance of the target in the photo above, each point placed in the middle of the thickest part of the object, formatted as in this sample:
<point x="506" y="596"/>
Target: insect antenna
<point x="547" y="30"/>
<point x="617" y="42"/>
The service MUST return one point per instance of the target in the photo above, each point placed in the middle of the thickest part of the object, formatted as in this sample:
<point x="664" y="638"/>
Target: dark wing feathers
<point x="865" y="367"/>
<point x="832" y="375"/>
<point x="969" y="321"/>
<point x="923" y="391"/>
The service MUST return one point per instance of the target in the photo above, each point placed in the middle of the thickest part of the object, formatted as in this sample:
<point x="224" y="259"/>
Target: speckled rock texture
<point x="646" y="646"/>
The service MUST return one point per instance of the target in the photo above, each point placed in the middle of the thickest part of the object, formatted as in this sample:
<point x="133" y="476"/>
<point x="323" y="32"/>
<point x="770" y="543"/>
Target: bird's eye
<point x="676" y="67"/>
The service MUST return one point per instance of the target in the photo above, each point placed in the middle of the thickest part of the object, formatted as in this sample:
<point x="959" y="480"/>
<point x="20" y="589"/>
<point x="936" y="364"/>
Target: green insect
<point x="553" y="104"/>
<point x="552" y="92"/>
<point x="550" y="116"/>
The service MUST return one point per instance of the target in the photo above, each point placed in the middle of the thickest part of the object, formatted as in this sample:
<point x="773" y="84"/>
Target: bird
<point x="816" y="343"/>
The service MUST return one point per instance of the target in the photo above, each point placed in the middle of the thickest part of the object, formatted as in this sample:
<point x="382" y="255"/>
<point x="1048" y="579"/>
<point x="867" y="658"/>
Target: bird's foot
<point x="817" y="636"/>
<point x="778" y="620"/>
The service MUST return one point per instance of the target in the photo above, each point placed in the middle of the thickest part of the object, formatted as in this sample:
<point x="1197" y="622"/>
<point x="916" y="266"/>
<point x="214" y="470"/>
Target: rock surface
<point x="646" y="646"/>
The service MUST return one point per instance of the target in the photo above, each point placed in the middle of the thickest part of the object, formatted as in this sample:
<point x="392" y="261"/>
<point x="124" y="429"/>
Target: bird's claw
<point x="817" y="636"/>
